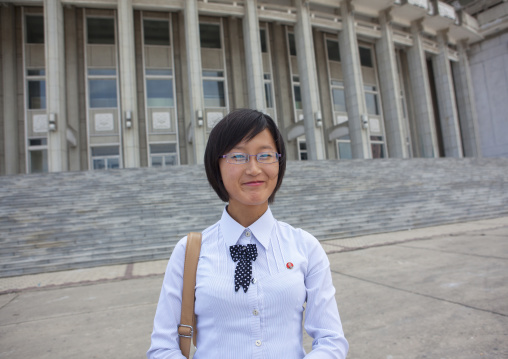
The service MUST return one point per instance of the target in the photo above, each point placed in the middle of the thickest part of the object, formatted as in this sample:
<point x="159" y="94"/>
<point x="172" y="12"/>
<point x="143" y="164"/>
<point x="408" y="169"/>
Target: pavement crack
<point x="420" y="294"/>
<point x="9" y="302"/>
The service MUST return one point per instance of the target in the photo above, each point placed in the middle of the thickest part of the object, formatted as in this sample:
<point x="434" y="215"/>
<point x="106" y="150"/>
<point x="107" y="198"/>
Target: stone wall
<point x="489" y="71"/>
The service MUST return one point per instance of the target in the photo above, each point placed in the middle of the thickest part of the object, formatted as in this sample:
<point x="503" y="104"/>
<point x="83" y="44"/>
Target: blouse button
<point x="255" y="312"/>
<point x="247" y="234"/>
<point x="254" y="280"/>
<point x="258" y="343"/>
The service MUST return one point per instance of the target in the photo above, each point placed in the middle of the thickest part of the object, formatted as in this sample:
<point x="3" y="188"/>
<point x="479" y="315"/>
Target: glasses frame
<point x="277" y="157"/>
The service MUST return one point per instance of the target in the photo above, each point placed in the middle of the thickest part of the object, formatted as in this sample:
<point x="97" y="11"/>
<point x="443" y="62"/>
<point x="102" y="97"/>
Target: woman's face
<point x="251" y="183"/>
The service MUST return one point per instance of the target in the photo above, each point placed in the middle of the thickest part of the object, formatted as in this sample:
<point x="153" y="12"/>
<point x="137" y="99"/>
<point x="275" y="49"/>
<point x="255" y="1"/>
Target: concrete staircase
<point x="61" y="221"/>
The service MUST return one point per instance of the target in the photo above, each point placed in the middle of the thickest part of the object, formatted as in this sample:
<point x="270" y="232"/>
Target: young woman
<point x="255" y="275"/>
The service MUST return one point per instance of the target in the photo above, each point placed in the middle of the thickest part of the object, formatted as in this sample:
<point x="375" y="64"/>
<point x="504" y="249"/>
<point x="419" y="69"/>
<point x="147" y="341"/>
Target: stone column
<point x="308" y="83"/>
<point x="353" y="83"/>
<point x="420" y="88"/>
<point x="72" y="88"/>
<point x="195" y="83"/>
<point x="55" y="84"/>
<point x="390" y="89"/>
<point x="10" y="113"/>
<point x="254" y="62"/>
<point x="466" y="103"/>
<point x="446" y="99"/>
<point x="128" y="99"/>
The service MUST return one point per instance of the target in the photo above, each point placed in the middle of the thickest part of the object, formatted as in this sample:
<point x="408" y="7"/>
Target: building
<point x="98" y="84"/>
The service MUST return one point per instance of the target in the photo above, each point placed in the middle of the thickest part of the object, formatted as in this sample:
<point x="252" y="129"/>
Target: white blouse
<point x="265" y="322"/>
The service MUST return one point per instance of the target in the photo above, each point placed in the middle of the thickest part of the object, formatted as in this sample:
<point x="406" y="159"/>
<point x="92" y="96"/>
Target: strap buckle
<point x="184" y="333"/>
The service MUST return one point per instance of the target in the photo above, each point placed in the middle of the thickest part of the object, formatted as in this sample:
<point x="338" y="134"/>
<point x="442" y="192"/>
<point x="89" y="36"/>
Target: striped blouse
<point x="265" y="322"/>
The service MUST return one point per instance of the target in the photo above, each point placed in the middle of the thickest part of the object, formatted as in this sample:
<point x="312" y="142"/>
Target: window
<point x="268" y="91"/>
<point x="292" y="44"/>
<point x="163" y="154"/>
<point x="34" y="29"/>
<point x="159" y="88"/>
<point x="377" y="146"/>
<point x="37" y="155"/>
<point x="262" y="37"/>
<point x="377" y="150"/>
<point x="333" y="50"/>
<point x="339" y="100"/>
<point x="344" y="148"/>
<point x="158" y="72"/>
<point x="297" y="93"/>
<point x="298" y="97"/>
<point x="105" y="157"/>
<point x="102" y="93"/>
<point x="366" y="57"/>
<point x="102" y="72"/>
<point x="213" y="89"/>
<point x="36" y="94"/>
<point x="209" y="35"/>
<point x="338" y="96"/>
<point x="101" y="31"/>
<point x="159" y="93"/>
<point x="302" y="150"/>
<point x="36" y="72"/>
<point x="371" y="100"/>
<point x="156" y="32"/>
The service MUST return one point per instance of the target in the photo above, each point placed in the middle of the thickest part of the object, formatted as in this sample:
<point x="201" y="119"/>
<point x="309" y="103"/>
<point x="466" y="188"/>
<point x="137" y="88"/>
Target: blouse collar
<point x="261" y="229"/>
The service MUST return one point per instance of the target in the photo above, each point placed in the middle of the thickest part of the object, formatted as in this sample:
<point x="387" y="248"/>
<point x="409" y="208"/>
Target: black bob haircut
<point x="239" y="125"/>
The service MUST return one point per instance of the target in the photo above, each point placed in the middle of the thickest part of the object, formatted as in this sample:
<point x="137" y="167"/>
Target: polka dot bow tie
<point x="244" y="255"/>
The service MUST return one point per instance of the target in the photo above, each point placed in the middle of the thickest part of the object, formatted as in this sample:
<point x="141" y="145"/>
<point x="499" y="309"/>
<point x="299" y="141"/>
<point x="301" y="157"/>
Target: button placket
<point x="254" y="304"/>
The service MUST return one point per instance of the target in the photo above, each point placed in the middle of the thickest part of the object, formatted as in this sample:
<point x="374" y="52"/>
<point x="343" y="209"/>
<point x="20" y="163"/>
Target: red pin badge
<point x="289" y="265"/>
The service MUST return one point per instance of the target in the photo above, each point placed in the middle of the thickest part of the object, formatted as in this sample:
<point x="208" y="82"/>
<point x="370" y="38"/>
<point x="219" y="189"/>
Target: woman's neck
<point x="246" y="215"/>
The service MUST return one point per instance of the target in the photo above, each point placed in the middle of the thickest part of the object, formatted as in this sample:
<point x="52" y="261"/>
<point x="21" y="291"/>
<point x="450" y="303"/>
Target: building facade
<point x="100" y="84"/>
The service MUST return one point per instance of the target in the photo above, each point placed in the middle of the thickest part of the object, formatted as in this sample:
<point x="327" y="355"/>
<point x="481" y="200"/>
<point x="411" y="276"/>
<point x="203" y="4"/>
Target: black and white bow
<point x="244" y="255"/>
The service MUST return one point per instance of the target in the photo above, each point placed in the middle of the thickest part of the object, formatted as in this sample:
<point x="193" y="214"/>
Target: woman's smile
<point x="254" y="183"/>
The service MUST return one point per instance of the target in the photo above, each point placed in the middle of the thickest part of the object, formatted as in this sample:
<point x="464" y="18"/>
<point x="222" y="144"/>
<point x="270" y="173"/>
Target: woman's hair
<point x="239" y="125"/>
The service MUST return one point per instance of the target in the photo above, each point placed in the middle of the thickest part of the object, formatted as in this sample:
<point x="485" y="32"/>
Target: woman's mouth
<point x="254" y="183"/>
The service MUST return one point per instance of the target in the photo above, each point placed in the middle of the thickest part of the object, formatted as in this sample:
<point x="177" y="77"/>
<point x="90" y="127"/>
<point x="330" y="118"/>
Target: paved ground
<point x="438" y="292"/>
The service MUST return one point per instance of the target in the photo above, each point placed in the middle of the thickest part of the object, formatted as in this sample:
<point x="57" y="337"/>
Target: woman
<point x="255" y="275"/>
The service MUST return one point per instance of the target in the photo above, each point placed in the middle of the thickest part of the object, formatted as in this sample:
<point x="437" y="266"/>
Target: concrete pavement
<point x="436" y="292"/>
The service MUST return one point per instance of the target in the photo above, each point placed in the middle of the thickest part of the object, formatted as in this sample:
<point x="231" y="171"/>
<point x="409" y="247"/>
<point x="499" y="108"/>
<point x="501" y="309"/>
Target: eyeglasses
<point x="241" y="158"/>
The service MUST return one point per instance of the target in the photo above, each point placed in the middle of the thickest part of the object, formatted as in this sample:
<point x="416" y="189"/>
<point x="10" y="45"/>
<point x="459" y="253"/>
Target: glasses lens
<point x="237" y="158"/>
<point x="267" y="157"/>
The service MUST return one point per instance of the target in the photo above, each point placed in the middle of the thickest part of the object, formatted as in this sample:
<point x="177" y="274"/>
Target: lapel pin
<point x="289" y="265"/>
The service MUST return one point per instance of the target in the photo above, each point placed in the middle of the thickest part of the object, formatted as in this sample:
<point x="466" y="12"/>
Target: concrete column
<point x="128" y="99"/>
<point x="236" y="80"/>
<point x="282" y="88"/>
<point x="353" y="83"/>
<point x="308" y="83"/>
<point x="422" y="100"/>
<point x="254" y="62"/>
<point x="195" y="82"/>
<point x="390" y="89"/>
<point x="10" y="113"/>
<point x="468" y="116"/>
<point x="72" y="98"/>
<point x="55" y="84"/>
<point x="446" y="99"/>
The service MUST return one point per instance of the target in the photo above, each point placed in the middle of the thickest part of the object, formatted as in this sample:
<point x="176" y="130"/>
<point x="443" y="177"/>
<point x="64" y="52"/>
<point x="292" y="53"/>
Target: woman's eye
<point x="265" y="155"/>
<point x="238" y="156"/>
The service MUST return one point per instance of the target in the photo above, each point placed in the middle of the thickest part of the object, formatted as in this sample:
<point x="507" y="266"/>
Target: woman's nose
<point x="253" y="167"/>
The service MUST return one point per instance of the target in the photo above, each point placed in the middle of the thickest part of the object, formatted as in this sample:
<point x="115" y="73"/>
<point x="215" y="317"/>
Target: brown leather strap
<point x="187" y="327"/>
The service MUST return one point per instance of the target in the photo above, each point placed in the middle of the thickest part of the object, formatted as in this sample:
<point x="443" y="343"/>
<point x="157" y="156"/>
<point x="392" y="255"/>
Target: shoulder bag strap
<point x="187" y="327"/>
